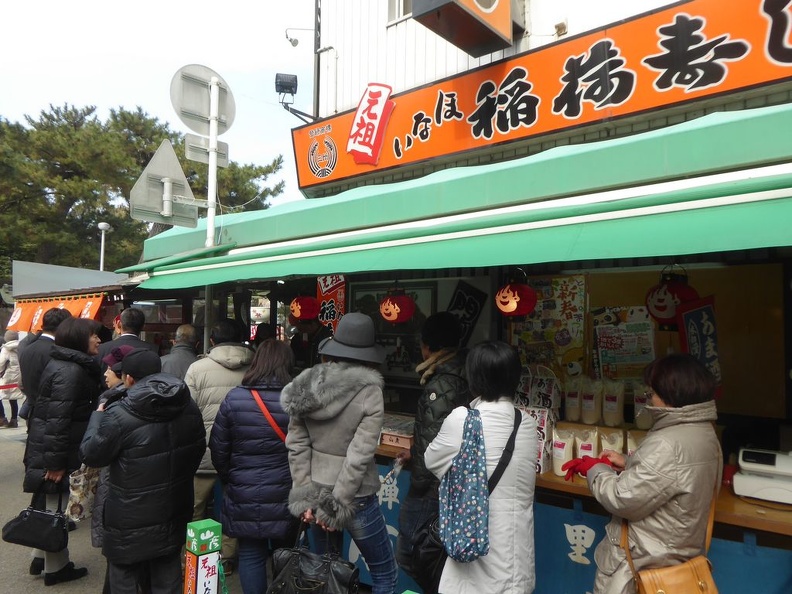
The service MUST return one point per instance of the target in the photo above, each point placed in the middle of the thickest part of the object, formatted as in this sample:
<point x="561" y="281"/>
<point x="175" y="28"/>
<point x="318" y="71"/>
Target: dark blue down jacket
<point x="252" y="463"/>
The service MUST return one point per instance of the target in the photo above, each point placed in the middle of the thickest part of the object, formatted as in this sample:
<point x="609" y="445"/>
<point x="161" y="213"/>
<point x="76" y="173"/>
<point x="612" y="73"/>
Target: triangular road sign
<point x="145" y="199"/>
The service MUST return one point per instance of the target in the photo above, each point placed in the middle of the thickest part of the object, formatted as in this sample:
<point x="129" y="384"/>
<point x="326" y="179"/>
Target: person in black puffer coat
<point x="253" y="464"/>
<point x="152" y="439"/>
<point x="68" y="391"/>
<point x="445" y="387"/>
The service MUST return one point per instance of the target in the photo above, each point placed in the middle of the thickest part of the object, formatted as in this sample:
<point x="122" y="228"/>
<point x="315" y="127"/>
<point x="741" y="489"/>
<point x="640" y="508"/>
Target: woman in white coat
<point x="493" y="371"/>
<point x="10" y="376"/>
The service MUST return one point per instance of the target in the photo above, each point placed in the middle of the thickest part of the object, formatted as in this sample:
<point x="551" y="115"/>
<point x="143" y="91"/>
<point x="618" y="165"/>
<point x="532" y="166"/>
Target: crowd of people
<point x="286" y="435"/>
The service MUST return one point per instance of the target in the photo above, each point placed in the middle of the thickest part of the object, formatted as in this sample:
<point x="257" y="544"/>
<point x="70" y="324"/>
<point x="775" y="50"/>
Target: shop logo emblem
<point x="486" y="5"/>
<point x="322" y="157"/>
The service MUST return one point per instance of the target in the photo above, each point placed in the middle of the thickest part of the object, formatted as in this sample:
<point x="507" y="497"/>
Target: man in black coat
<point x="132" y="322"/>
<point x="34" y="354"/>
<point x="152" y="439"/>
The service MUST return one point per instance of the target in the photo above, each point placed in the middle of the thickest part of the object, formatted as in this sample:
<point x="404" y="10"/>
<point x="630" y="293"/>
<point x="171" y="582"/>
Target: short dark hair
<point x="133" y="320"/>
<point x="680" y="379"/>
<point x="52" y="319"/>
<point x="493" y="370"/>
<point x="273" y="360"/>
<point x="225" y="331"/>
<point x="75" y="333"/>
<point x="441" y="330"/>
<point x="264" y="331"/>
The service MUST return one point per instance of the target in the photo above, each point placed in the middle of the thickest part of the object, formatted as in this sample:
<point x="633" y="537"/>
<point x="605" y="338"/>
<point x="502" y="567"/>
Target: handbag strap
<point x="39" y="492"/>
<point x="506" y="456"/>
<point x="624" y="543"/>
<point x="278" y="431"/>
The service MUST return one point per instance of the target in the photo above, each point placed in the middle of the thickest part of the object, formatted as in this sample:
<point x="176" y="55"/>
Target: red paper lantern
<point x="663" y="299"/>
<point x="397" y="307"/>
<point x="304" y="308"/>
<point x="515" y="299"/>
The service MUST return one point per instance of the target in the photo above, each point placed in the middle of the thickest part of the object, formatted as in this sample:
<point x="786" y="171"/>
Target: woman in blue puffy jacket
<point x="250" y="456"/>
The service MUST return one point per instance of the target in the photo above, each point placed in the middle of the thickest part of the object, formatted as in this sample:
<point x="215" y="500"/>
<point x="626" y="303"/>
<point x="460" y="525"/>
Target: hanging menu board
<point x="698" y="333"/>
<point x="554" y="333"/>
<point x="624" y="351"/>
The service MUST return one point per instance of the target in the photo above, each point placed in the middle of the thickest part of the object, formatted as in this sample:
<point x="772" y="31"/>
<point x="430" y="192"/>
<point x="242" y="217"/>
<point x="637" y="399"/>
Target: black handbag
<point x="39" y="528"/>
<point x="428" y="556"/>
<point x="298" y="570"/>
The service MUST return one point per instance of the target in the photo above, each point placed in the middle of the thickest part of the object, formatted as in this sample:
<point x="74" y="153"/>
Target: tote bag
<point x="464" y="497"/>
<point x="82" y="492"/>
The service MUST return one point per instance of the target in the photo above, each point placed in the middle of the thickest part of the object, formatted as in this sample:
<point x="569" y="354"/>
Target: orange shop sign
<point x="687" y="52"/>
<point x="27" y="315"/>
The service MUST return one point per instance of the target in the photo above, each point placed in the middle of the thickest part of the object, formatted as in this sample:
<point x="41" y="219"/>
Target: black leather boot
<point x="66" y="574"/>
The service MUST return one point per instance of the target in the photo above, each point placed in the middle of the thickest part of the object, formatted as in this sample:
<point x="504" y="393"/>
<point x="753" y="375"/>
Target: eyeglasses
<point x="648" y="394"/>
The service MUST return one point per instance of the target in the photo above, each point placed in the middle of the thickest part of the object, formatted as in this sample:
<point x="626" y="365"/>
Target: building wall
<point x="367" y="47"/>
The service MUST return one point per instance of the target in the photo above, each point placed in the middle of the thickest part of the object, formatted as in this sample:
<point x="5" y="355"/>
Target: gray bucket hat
<point x="354" y="339"/>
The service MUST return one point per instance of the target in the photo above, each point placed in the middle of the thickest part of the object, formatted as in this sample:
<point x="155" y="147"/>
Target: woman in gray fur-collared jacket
<point x="336" y="412"/>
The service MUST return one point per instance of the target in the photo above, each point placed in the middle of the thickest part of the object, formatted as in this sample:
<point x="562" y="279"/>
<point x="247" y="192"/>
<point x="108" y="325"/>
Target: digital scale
<point x="764" y="474"/>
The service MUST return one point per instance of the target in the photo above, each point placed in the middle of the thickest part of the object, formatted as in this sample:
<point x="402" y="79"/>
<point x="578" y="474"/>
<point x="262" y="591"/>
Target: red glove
<point x="582" y="465"/>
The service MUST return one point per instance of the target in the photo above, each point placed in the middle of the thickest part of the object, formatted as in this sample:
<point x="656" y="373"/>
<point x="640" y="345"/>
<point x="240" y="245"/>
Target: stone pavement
<point x="15" y="560"/>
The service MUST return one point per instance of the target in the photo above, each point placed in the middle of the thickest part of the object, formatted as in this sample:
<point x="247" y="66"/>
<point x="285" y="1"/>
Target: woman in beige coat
<point x="665" y="487"/>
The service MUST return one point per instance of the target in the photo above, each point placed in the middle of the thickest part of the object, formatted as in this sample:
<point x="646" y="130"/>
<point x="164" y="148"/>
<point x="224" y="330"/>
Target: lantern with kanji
<point x="663" y="299"/>
<point x="515" y="299"/>
<point x="397" y="307"/>
<point x="304" y="308"/>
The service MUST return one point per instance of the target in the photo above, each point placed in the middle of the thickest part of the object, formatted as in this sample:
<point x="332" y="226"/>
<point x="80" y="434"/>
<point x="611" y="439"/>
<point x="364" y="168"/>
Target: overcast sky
<point x="111" y="54"/>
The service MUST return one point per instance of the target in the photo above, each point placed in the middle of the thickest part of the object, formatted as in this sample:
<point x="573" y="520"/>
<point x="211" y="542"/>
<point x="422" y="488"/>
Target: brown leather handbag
<point x="691" y="577"/>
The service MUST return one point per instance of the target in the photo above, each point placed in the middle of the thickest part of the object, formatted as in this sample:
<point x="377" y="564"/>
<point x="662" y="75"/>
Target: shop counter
<point x="750" y="539"/>
<point x="751" y="550"/>
<point x="730" y="509"/>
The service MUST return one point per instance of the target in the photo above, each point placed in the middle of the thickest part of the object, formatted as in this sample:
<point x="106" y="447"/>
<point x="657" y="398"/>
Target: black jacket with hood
<point x="68" y="390"/>
<point x="152" y="439"/>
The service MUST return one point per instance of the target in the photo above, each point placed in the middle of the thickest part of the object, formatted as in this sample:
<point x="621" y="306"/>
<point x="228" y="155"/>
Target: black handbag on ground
<point x="429" y="554"/>
<point x="298" y="570"/>
<point x="39" y="528"/>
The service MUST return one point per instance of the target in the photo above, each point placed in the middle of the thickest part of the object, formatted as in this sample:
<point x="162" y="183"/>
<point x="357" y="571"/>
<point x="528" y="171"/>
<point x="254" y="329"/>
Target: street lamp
<point x="104" y="228"/>
<point x="293" y="40"/>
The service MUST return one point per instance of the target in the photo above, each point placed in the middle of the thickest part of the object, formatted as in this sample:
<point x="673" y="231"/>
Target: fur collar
<point x="322" y="391"/>
<point x="428" y="367"/>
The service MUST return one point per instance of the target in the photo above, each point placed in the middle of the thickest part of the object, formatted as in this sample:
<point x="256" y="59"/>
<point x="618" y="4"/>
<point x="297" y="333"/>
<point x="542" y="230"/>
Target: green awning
<point x="176" y="258"/>
<point x="718" y="183"/>
<point x="733" y="222"/>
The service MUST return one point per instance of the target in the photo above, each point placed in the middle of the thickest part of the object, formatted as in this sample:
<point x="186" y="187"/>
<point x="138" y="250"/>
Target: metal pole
<point x="317" y="45"/>
<point x="208" y="317"/>
<point x="211" y="198"/>
<point x="101" y="252"/>
<point x="214" y="109"/>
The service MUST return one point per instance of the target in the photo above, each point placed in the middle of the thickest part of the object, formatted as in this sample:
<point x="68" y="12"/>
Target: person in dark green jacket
<point x="445" y="387"/>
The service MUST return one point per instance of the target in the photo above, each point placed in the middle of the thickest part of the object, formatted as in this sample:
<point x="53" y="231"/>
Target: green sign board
<point x="204" y="536"/>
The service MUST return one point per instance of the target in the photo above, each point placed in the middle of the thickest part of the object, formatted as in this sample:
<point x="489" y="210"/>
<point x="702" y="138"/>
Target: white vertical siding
<point x="405" y="54"/>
